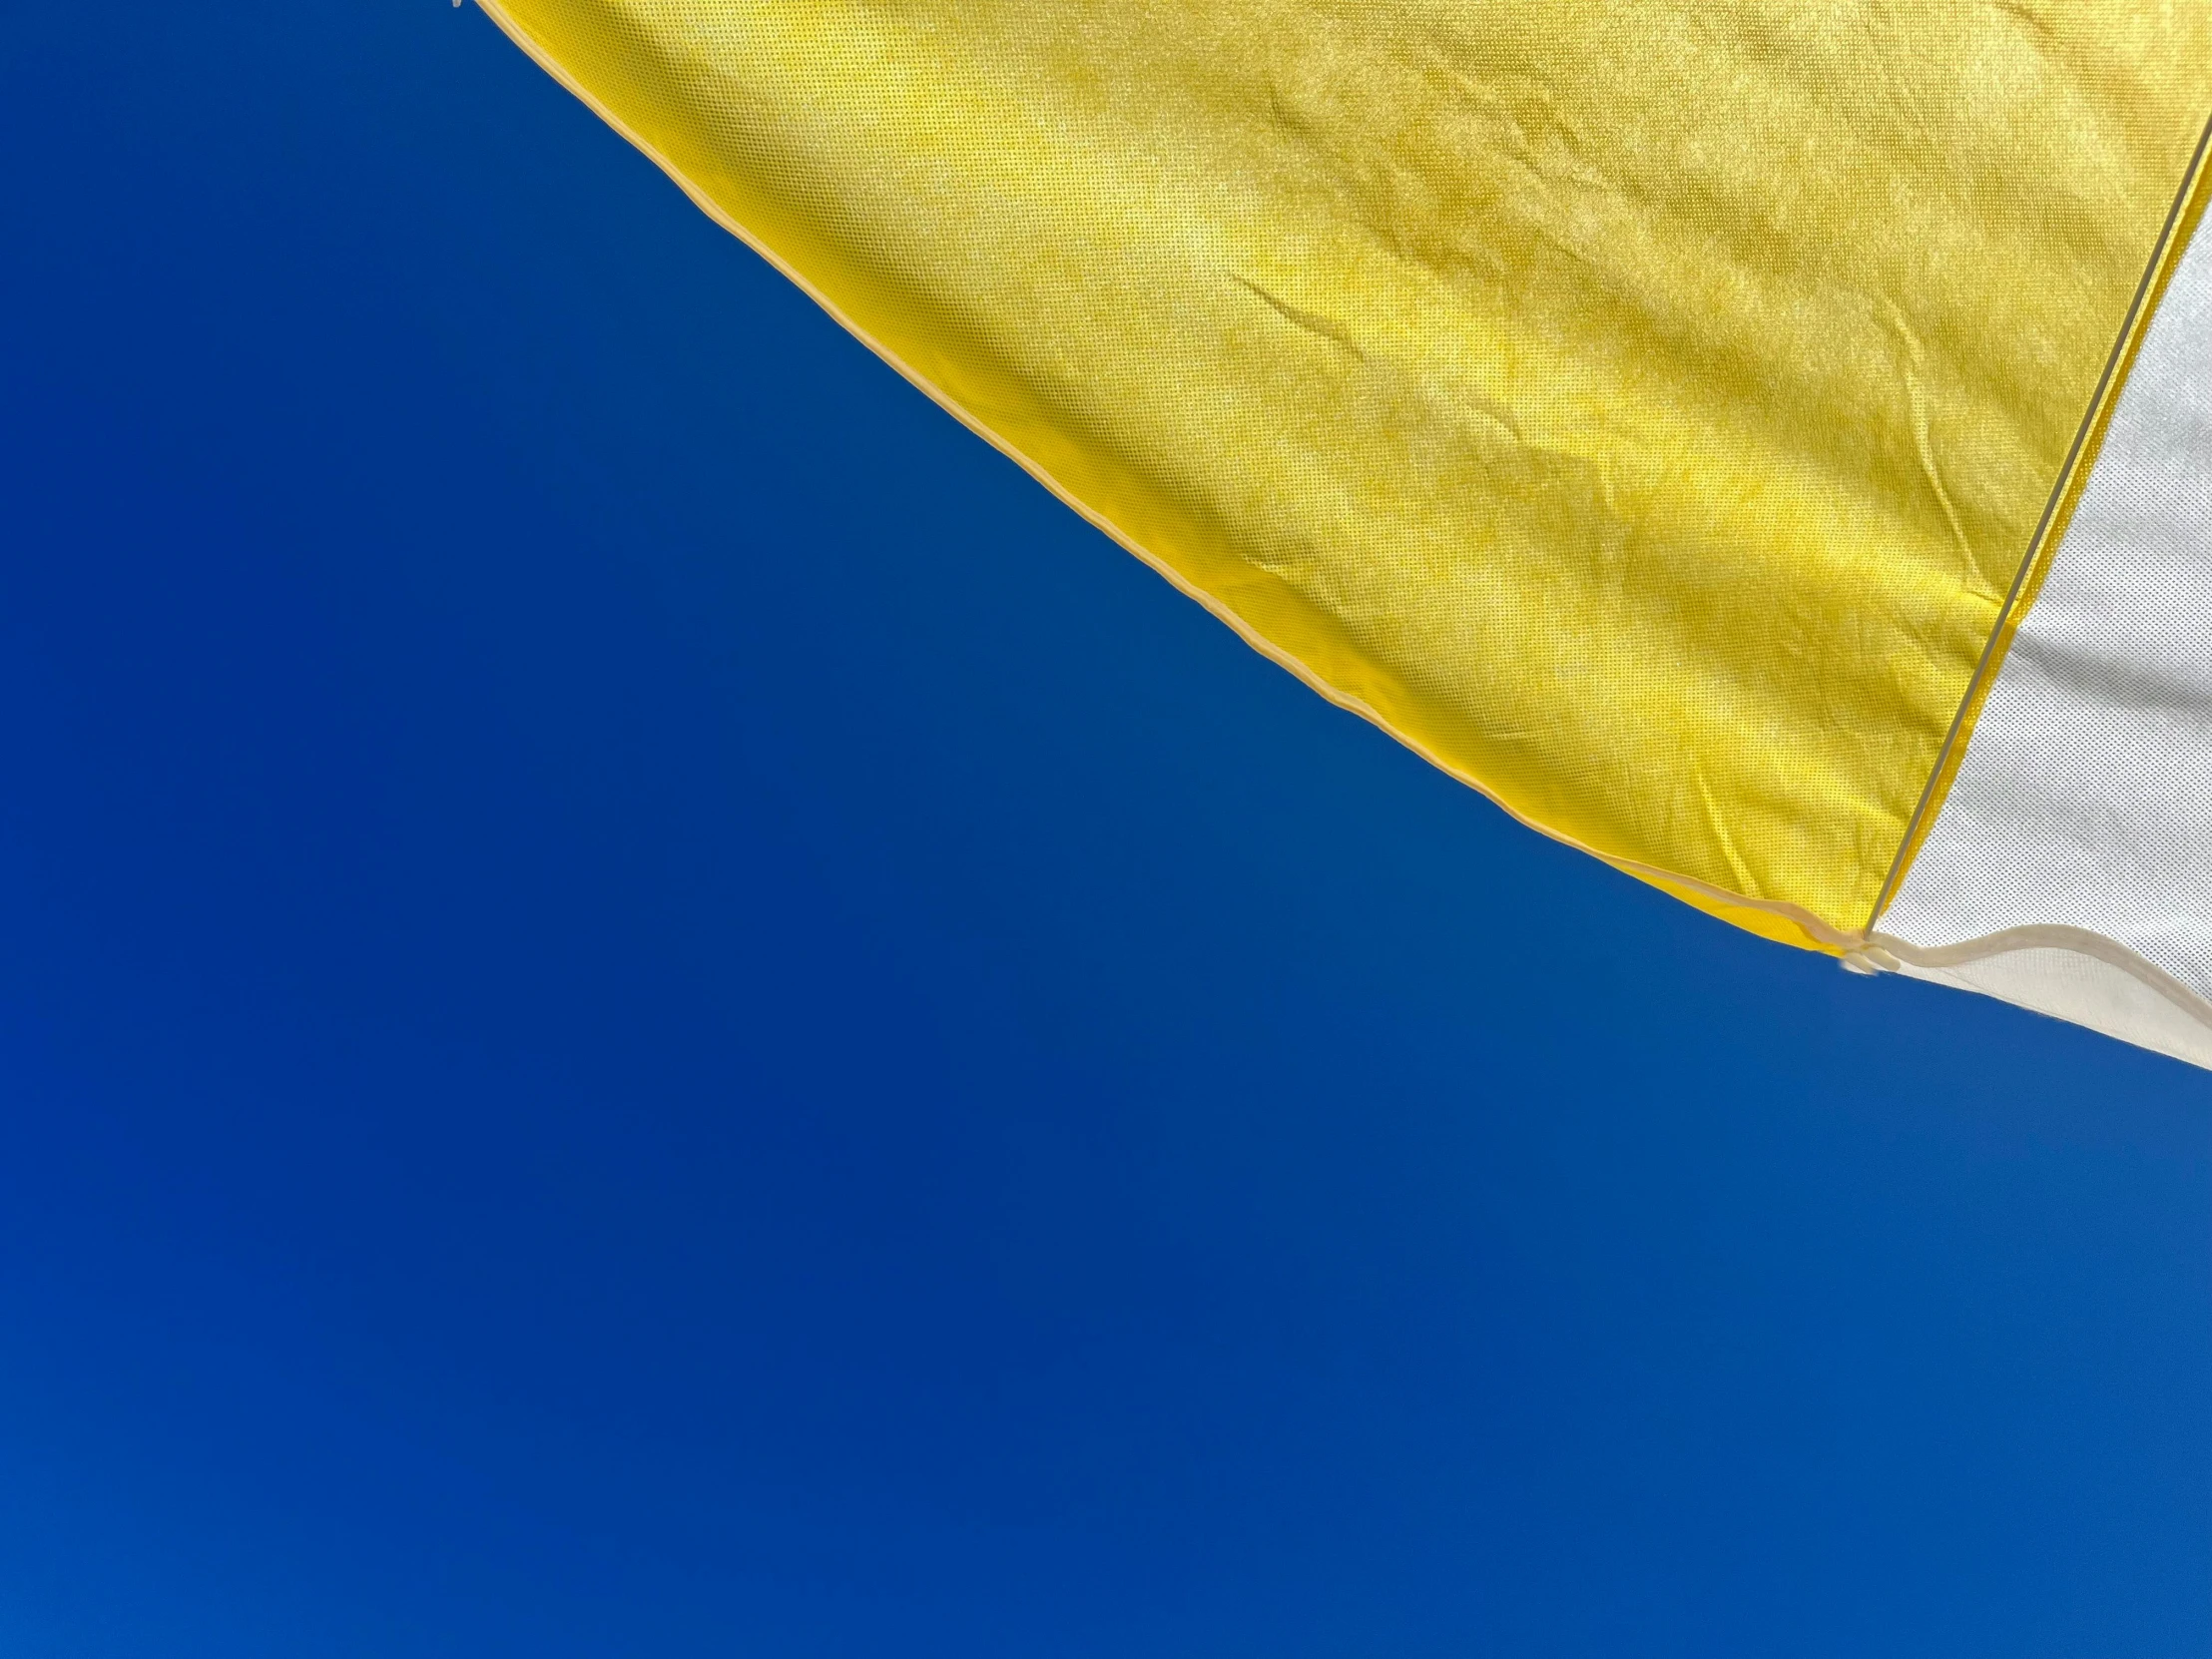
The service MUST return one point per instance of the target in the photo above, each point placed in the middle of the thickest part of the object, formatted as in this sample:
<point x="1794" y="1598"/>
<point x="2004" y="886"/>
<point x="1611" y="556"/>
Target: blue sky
<point x="647" y="1006"/>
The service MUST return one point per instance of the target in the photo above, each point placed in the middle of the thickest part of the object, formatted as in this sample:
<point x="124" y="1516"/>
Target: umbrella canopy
<point x="1761" y="446"/>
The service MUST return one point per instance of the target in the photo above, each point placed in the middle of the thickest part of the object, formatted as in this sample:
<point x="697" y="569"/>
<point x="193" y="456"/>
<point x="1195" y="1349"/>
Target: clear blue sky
<point x="647" y="1008"/>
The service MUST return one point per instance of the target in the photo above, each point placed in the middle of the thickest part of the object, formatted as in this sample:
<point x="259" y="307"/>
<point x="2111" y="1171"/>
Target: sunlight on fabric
<point x="1658" y="413"/>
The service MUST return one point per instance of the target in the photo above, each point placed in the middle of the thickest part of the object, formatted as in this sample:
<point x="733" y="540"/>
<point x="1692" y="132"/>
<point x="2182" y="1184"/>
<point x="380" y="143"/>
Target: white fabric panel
<point x="2085" y="798"/>
<point x="2084" y="979"/>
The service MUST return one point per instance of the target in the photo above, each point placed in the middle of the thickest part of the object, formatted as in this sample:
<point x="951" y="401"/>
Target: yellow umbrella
<point x="1662" y="414"/>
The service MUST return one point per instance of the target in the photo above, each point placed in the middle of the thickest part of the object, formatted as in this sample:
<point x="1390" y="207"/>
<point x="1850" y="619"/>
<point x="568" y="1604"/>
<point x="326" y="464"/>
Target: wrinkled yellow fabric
<point x="1640" y="406"/>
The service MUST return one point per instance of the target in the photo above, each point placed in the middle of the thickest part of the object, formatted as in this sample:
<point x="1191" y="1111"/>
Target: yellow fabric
<point x="1642" y="407"/>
